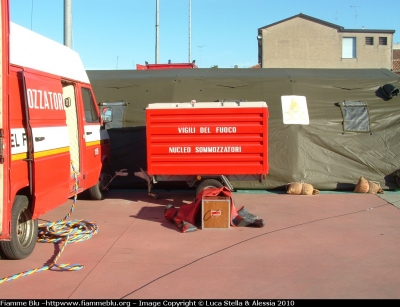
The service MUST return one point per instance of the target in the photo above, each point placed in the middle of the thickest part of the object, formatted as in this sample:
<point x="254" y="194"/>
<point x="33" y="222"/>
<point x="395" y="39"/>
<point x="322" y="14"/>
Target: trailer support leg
<point x="227" y="183"/>
<point x="149" y="180"/>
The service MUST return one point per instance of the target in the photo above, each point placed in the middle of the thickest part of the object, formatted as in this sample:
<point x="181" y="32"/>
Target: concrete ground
<point x="325" y="246"/>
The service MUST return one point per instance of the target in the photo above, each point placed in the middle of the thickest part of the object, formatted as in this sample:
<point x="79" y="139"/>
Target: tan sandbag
<point x="308" y="189"/>
<point x="299" y="188"/>
<point x="374" y="187"/>
<point x="294" y="188"/>
<point x="362" y="185"/>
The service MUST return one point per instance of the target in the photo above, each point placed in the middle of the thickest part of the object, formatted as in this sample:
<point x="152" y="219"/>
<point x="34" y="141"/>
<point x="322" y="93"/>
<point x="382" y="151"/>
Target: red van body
<point x="53" y="143"/>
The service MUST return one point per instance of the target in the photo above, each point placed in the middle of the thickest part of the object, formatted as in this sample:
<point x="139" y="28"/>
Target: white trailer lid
<point x="203" y="105"/>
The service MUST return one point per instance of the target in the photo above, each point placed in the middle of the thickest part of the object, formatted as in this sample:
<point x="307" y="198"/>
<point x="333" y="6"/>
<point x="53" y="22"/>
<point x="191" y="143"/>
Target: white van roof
<point x="32" y="50"/>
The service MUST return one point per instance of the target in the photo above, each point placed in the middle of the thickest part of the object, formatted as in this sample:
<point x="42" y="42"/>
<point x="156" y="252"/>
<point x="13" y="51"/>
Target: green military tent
<point x="353" y="129"/>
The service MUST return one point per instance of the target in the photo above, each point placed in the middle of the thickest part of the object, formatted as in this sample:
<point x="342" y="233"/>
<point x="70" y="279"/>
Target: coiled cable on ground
<point x="64" y="232"/>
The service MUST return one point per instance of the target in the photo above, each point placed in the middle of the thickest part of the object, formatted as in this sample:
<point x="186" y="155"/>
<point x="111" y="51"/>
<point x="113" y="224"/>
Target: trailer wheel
<point x="97" y="192"/>
<point x="208" y="183"/>
<point x="24" y="231"/>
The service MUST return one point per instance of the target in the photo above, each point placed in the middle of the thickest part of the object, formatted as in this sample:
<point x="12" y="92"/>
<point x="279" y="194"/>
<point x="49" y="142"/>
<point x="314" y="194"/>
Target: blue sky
<point x="118" y="34"/>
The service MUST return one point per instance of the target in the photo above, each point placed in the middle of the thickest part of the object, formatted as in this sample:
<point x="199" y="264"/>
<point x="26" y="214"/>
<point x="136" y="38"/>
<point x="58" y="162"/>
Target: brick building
<point x="302" y="41"/>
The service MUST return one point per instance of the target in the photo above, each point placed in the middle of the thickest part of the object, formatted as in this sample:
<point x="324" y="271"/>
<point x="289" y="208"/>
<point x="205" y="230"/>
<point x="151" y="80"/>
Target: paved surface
<point x="329" y="246"/>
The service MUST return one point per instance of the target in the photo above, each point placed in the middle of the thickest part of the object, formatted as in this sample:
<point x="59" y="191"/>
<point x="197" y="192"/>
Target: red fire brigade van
<point x="51" y="134"/>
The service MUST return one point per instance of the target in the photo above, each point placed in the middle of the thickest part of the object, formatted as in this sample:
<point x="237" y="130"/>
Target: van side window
<point x="91" y="115"/>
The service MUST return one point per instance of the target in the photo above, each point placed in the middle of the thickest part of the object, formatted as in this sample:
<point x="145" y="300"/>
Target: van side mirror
<point x="106" y="114"/>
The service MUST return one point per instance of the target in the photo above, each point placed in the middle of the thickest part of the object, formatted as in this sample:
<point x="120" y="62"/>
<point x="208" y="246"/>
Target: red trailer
<point x="206" y="144"/>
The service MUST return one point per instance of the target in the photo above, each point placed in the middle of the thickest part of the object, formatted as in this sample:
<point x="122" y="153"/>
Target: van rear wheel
<point x="24" y="231"/>
<point x="98" y="191"/>
<point x="95" y="192"/>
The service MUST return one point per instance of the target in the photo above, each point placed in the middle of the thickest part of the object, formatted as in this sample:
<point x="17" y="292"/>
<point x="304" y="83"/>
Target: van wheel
<point x="208" y="183"/>
<point x="97" y="192"/>
<point x="24" y="231"/>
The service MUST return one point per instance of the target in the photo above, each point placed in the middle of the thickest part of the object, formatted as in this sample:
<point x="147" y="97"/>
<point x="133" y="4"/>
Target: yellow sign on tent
<point x="294" y="110"/>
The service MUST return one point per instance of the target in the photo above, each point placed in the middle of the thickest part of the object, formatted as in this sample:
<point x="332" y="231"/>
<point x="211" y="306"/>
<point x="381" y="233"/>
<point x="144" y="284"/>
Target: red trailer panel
<point x="207" y="138"/>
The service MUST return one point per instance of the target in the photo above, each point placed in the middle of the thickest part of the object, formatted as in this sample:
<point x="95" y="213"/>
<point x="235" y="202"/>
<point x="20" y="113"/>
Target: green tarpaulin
<point x="321" y="153"/>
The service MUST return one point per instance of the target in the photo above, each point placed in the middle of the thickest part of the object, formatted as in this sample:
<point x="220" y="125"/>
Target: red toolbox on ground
<point x="209" y="138"/>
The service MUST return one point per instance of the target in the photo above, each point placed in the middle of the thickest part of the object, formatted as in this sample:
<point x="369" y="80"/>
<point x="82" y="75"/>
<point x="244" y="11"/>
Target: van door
<point x="74" y="133"/>
<point x="48" y="140"/>
<point x="93" y="152"/>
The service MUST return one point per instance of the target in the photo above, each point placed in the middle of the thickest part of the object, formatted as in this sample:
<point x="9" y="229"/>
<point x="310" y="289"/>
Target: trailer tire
<point x="24" y="231"/>
<point x="208" y="183"/>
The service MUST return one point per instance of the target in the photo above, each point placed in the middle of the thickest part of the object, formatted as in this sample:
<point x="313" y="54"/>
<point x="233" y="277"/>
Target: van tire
<point x="97" y="192"/>
<point x="24" y="231"/>
<point x="208" y="183"/>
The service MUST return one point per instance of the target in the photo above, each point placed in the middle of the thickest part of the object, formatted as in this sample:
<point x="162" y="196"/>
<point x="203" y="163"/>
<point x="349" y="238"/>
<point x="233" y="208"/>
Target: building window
<point x="369" y="41"/>
<point x="349" y="48"/>
<point x="383" y="41"/>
